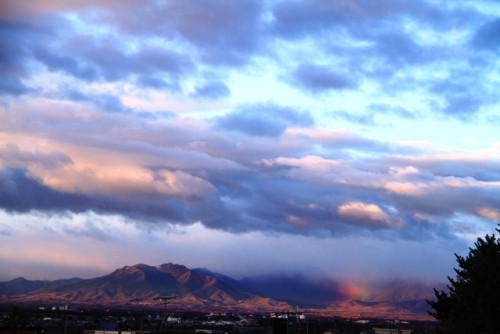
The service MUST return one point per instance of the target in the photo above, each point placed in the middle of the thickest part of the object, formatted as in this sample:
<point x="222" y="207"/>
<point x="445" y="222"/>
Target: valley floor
<point x="29" y="320"/>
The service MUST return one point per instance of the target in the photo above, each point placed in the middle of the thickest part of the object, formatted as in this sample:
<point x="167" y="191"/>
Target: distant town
<point x="68" y="319"/>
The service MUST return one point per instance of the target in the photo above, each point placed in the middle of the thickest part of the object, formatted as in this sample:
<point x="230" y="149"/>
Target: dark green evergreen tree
<point x="472" y="302"/>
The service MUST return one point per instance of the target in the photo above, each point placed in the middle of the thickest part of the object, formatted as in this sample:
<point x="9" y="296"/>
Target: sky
<point x="349" y="139"/>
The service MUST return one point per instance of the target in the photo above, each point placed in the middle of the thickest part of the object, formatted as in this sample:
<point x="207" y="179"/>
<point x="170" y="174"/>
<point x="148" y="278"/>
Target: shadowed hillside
<point x="201" y="289"/>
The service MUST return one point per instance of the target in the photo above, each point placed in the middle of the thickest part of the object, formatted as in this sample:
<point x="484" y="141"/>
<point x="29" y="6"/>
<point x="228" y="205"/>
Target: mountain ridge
<point x="202" y="289"/>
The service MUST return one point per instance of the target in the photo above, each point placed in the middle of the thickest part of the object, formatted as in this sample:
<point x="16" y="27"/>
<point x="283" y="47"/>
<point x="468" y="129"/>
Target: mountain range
<point x="203" y="290"/>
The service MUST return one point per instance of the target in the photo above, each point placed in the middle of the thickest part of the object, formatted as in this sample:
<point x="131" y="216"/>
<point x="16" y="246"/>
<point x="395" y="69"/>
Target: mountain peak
<point x="200" y="289"/>
<point x="172" y="266"/>
<point x="176" y="270"/>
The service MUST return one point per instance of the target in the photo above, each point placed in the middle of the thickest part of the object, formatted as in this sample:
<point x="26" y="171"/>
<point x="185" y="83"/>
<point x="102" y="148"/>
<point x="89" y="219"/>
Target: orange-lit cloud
<point x="237" y="124"/>
<point x="490" y="213"/>
<point x="407" y="188"/>
<point x="366" y="213"/>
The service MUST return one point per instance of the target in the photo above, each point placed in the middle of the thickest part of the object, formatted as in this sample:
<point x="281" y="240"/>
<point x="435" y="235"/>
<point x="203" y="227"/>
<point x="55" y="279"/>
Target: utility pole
<point x="164" y="299"/>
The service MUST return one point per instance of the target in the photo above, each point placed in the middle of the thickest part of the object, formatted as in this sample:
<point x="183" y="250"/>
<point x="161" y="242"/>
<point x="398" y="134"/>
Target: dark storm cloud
<point x="114" y="63"/>
<point x="202" y="34"/>
<point x="57" y="44"/>
<point x="12" y="155"/>
<point x="462" y="105"/>
<point x="68" y="64"/>
<point x="266" y="120"/>
<point x="266" y="167"/>
<point x="448" y="186"/>
<point x="265" y="202"/>
<point x="477" y="169"/>
<point x="23" y="194"/>
<point x="222" y="39"/>
<point x="218" y="38"/>
<point x="15" y="40"/>
<point x="318" y="78"/>
<point x="291" y="195"/>
<point x="262" y="200"/>
<point x="256" y="197"/>
<point x="300" y="18"/>
<point x="13" y="86"/>
<point x="449" y="205"/>
<point x="463" y="95"/>
<point x="357" y="34"/>
<point x="295" y="19"/>
<point x="400" y="49"/>
<point x="106" y="102"/>
<point x="92" y="59"/>
<point x="273" y="199"/>
<point x="156" y="83"/>
<point x="388" y="53"/>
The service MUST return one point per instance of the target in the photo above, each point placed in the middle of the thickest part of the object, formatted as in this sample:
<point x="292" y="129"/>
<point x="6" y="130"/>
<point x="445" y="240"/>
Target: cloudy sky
<point x="352" y="139"/>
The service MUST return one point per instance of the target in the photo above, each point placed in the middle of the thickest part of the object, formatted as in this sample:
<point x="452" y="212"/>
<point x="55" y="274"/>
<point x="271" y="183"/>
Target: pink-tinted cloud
<point x="328" y="121"/>
<point x="366" y="214"/>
